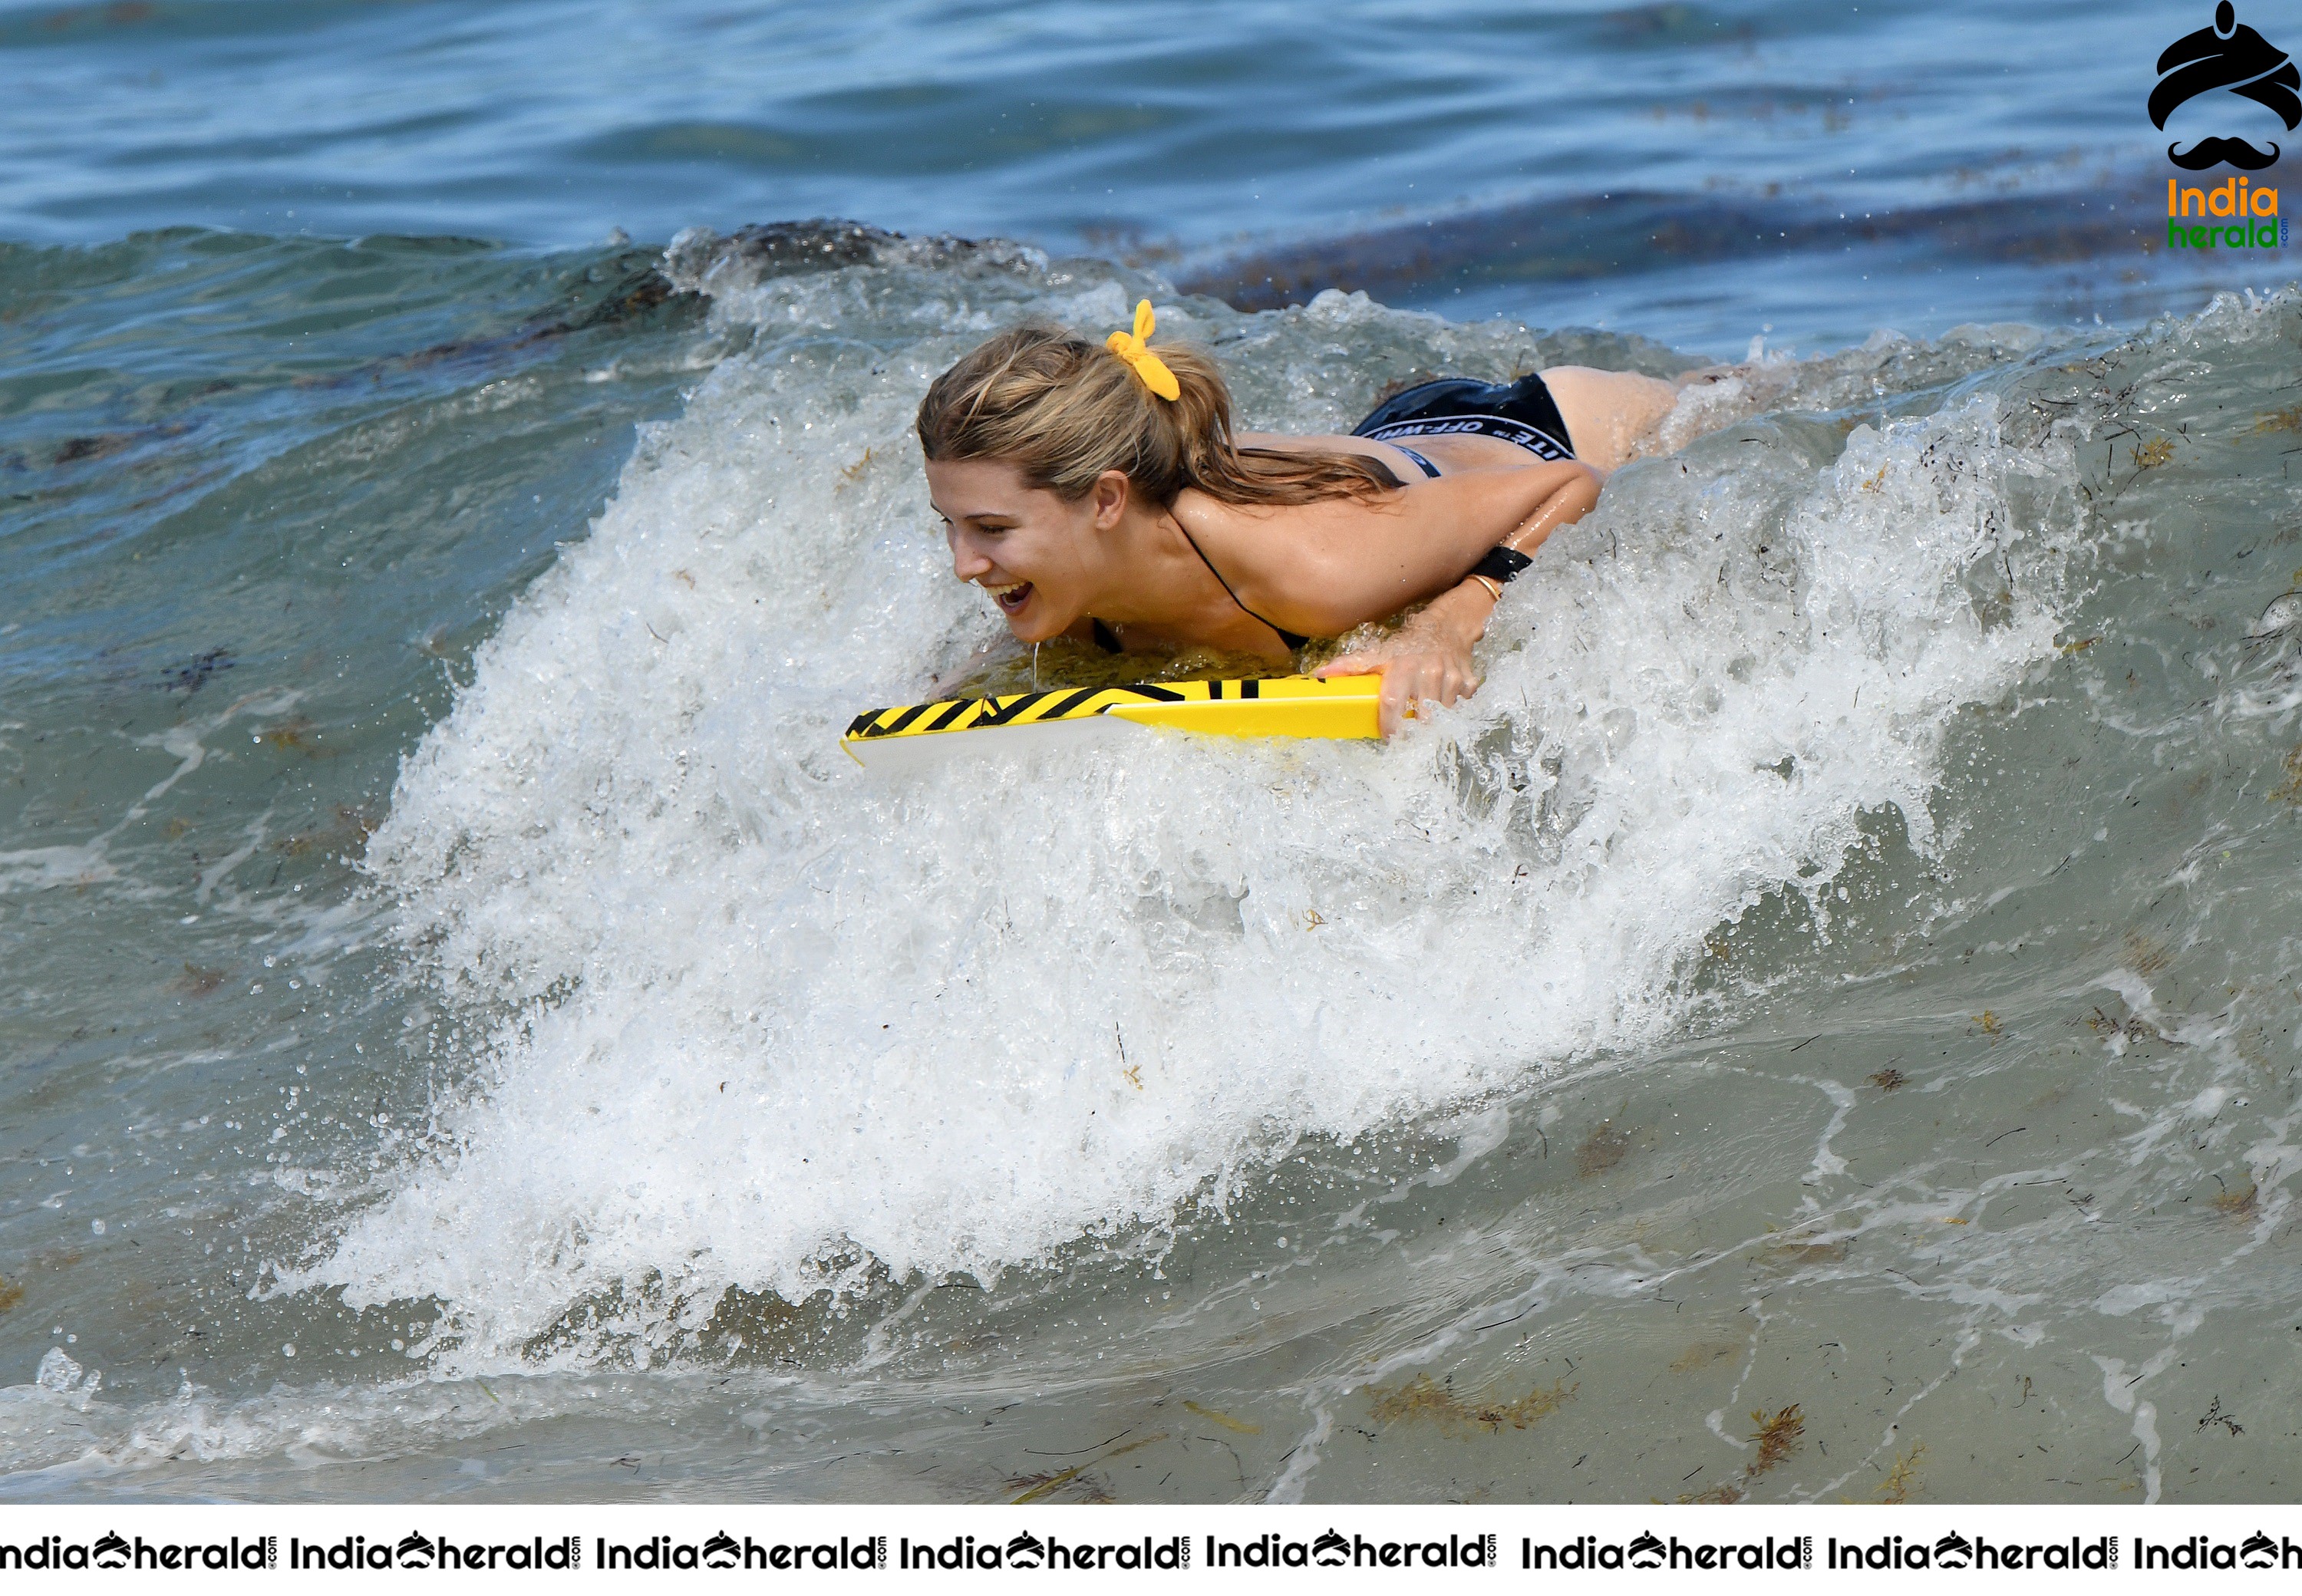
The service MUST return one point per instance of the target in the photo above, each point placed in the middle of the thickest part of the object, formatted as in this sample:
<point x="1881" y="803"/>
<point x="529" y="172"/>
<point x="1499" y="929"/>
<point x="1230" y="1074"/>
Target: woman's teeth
<point x="1010" y="595"/>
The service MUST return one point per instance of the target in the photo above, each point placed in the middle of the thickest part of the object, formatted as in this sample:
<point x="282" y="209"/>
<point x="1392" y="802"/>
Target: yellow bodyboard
<point x="1267" y="707"/>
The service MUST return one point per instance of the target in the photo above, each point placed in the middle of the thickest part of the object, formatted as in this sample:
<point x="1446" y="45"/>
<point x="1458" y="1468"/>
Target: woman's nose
<point x="967" y="562"/>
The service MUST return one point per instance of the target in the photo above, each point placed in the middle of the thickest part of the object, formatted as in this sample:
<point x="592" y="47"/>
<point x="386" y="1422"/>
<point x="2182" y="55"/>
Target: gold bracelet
<point x="1494" y="588"/>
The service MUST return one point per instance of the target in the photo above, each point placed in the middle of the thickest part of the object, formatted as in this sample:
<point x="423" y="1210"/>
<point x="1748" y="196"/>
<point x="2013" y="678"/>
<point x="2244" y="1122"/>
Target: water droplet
<point x="57" y="1371"/>
<point x="2283" y="613"/>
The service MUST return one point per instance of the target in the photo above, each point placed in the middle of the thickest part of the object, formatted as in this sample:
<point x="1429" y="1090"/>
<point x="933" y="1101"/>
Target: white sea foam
<point x="55" y="1433"/>
<point x="759" y="1017"/>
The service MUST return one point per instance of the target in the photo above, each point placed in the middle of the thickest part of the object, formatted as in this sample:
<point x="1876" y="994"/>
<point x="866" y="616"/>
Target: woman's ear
<point x="1109" y="496"/>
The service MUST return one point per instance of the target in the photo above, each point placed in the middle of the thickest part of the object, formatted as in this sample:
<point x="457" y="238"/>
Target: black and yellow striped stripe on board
<point x="1271" y="706"/>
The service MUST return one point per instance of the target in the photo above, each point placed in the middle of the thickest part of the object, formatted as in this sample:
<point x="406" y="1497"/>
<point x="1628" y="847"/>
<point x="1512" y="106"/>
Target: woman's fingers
<point x="1409" y="683"/>
<point x="1407" y="680"/>
<point x="1396" y="704"/>
<point x="1453" y="683"/>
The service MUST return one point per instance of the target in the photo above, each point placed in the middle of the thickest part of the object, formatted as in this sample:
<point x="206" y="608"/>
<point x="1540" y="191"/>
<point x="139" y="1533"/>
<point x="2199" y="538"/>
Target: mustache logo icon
<point x="2229" y="55"/>
<point x="2216" y="152"/>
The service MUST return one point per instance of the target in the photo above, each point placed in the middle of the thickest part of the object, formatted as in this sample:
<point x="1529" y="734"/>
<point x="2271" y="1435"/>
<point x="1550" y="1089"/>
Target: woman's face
<point x="1029" y="549"/>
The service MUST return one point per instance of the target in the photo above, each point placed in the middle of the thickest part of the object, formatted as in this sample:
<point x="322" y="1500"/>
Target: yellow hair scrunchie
<point x="1131" y="348"/>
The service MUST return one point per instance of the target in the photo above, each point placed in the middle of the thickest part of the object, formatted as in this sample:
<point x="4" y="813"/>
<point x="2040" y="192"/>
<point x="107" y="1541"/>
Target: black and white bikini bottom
<point x="1523" y="413"/>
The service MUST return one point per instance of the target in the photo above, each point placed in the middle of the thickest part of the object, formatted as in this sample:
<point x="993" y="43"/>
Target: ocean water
<point x="1819" y="1024"/>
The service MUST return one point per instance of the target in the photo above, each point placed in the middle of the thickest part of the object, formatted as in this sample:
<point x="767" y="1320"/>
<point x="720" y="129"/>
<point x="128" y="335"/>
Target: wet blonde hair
<point x="1064" y="411"/>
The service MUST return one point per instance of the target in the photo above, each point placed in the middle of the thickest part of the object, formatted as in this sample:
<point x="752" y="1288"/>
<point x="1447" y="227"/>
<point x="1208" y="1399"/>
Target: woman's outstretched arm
<point x="1322" y="568"/>
<point x="1430" y="656"/>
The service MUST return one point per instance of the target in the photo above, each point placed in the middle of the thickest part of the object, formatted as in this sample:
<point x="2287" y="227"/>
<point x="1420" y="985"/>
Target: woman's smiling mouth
<point x="1011" y="596"/>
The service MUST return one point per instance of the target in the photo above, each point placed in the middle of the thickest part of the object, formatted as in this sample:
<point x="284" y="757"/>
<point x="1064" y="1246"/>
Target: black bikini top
<point x="1108" y="641"/>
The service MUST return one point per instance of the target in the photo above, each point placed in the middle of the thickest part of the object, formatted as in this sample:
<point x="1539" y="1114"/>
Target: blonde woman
<point x="1099" y="491"/>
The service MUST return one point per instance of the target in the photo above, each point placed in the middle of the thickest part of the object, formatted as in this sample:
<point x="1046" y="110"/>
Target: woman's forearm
<point x="1465" y="607"/>
<point x="1429" y="657"/>
<point x="1461" y="612"/>
<point x="1573" y="500"/>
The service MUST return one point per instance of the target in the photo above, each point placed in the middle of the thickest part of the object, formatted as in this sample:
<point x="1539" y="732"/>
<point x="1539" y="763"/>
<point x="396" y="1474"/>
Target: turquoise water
<point x="469" y="1032"/>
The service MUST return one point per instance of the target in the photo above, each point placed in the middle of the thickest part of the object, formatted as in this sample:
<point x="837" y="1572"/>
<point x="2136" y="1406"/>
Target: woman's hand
<point x="1427" y="658"/>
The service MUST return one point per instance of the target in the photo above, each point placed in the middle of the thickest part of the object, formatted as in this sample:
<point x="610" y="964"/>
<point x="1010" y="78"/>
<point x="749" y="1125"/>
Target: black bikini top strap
<point x="1293" y="640"/>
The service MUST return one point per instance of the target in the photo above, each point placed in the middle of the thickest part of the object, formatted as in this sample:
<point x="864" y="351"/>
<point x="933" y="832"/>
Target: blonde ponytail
<point x="1064" y="411"/>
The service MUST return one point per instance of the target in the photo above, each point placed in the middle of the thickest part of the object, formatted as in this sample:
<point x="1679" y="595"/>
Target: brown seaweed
<point x="1425" y="1398"/>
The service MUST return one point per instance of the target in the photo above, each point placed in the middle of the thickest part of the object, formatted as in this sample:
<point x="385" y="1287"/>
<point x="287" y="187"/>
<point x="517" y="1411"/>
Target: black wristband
<point x="1501" y="564"/>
